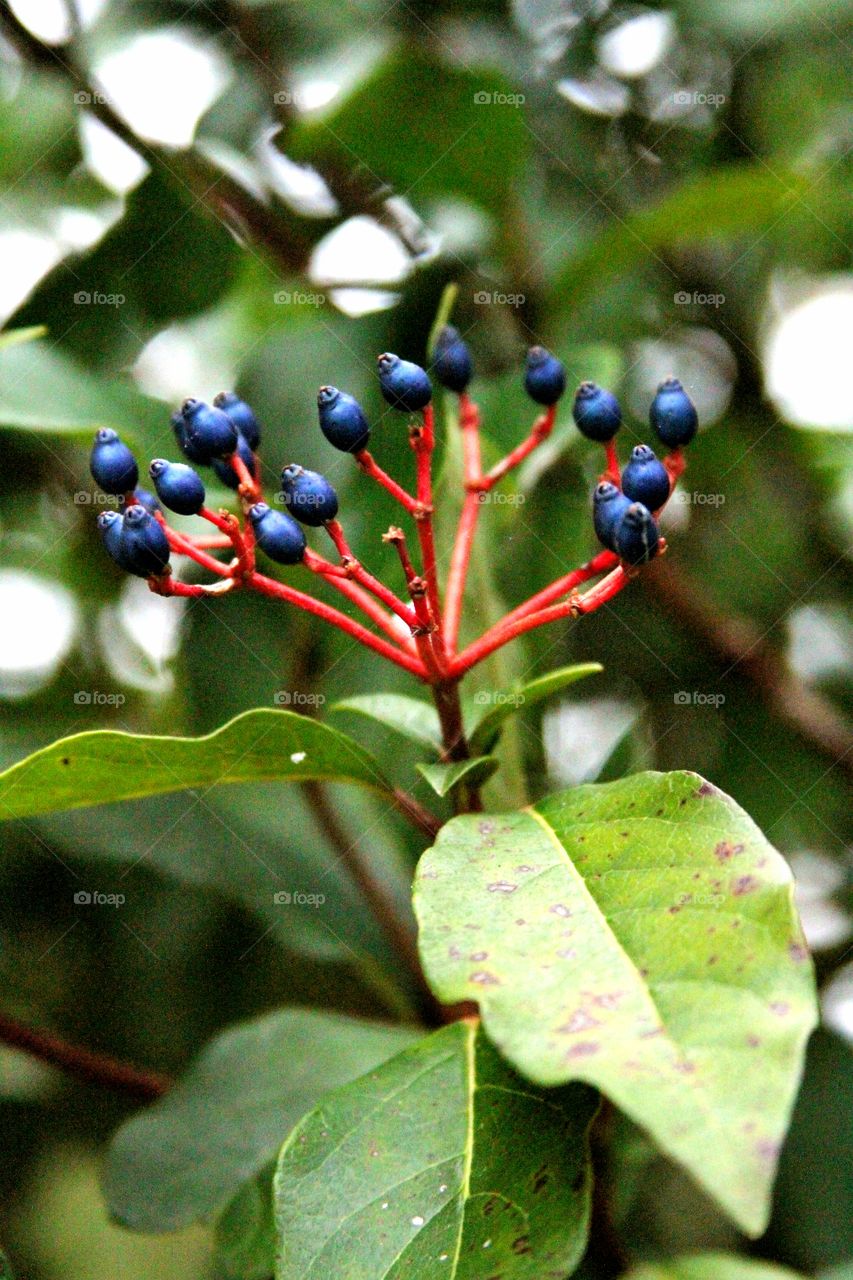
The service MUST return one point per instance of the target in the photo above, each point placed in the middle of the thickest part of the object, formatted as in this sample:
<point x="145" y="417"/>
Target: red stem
<point x="249" y="484"/>
<point x="278" y="590"/>
<point x="371" y="468"/>
<point x="613" y="474"/>
<point x="562" y="586"/>
<point x="337" y="577"/>
<point x="355" y="569"/>
<point x="422" y="440"/>
<point x="469" y="422"/>
<point x="184" y="547"/>
<point x="541" y="429"/>
<point x="502" y="634"/>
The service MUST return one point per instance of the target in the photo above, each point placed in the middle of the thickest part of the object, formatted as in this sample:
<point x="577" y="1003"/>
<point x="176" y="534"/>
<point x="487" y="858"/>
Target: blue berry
<point x="199" y="457"/>
<point x="673" y="414"/>
<point x="242" y="416"/>
<point x="637" y="535"/>
<point x="645" y="479"/>
<point x="403" y="384"/>
<point x="143" y="498"/>
<point x="277" y="534"/>
<point x="342" y="420"/>
<point x="178" y="487"/>
<point x="226" y="473"/>
<point x="544" y="376"/>
<point x="112" y="464"/>
<point x="110" y="525"/>
<point x="609" y="505"/>
<point x="144" y="547"/>
<point x="451" y="360"/>
<point x="597" y="413"/>
<point x="208" y="432"/>
<point x="308" y="496"/>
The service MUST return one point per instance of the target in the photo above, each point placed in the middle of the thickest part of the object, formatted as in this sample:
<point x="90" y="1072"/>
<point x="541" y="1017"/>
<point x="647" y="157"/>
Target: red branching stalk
<point x="562" y="586"/>
<point x="422" y="440"/>
<point x="612" y="473"/>
<point x="250" y="488"/>
<point x="426" y="633"/>
<point x="469" y="423"/>
<point x="184" y="547"/>
<point x="371" y="468"/>
<point x="336" y="576"/>
<point x="354" y="569"/>
<point x="541" y="429"/>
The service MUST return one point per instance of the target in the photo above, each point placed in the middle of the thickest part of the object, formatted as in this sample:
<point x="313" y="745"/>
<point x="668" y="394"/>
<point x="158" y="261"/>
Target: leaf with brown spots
<point x="442" y="1164"/>
<point x="593" y="976"/>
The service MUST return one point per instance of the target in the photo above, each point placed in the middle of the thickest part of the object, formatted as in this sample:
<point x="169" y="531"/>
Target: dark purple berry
<point x="143" y="498"/>
<point x="342" y="420"/>
<point x="637" y="535"/>
<point x="277" y="534"/>
<point x="544" y="376"/>
<point x="180" y="429"/>
<point x="645" y="479"/>
<point x="308" y="496"/>
<point x="609" y="505"/>
<point x="242" y="416"/>
<point x="144" y="547"/>
<point x="673" y="414"/>
<point x="178" y="487"/>
<point x="208" y="432"/>
<point x="110" y="524"/>
<point x="403" y="384"/>
<point x="226" y="473"/>
<point x="112" y="464"/>
<point x="451" y="360"/>
<point x="596" y="412"/>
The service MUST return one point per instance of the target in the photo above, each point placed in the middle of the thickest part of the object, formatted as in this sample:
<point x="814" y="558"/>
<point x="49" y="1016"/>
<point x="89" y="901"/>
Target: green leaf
<point x="410" y="717"/>
<point x="444" y="777"/>
<point x="724" y="203"/>
<point x="489" y="710"/>
<point x="440" y="1164"/>
<point x="185" y="1157"/>
<point x="244" y="1240"/>
<point x="104" y="765"/>
<point x="711" y="1266"/>
<point x="12" y="337"/>
<point x="639" y="935"/>
<point x="6" y="1272"/>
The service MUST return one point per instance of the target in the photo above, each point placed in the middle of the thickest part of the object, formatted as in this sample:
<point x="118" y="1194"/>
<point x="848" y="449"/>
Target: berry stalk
<point x="469" y="423"/>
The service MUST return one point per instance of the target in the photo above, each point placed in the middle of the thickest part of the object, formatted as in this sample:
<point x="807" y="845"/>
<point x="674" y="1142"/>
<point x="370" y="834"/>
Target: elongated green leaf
<point x="444" y="777"/>
<point x="410" y="717"/>
<point x="727" y="202"/>
<point x="487" y="712"/>
<point x="442" y="1163"/>
<point x="102" y="766"/>
<point x="711" y="1266"/>
<point x="244" y="1240"/>
<point x="185" y="1157"/>
<point x="639" y="935"/>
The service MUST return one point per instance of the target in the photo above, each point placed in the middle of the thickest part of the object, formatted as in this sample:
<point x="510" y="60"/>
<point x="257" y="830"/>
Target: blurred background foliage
<point x="645" y="188"/>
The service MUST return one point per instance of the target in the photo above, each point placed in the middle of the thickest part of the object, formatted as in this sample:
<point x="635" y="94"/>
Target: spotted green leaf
<point x="441" y="1165"/>
<point x="185" y="1157"/>
<point x="104" y="765"/>
<point x="639" y="935"/>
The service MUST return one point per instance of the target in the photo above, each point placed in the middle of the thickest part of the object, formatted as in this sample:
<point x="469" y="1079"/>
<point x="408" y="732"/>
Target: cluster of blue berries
<point x="624" y="517"/>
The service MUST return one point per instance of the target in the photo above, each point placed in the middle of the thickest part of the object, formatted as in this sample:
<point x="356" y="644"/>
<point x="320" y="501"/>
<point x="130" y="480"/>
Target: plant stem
<point x="371" y="468"/>
<point x="541" y="429"/>
<point x="455" y="744"/>
<point x="469" y="425"/>
<point x="85" y="1064"/>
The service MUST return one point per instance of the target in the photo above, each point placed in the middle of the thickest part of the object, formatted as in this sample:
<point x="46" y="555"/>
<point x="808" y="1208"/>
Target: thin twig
<point x="85" y="1064"/>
